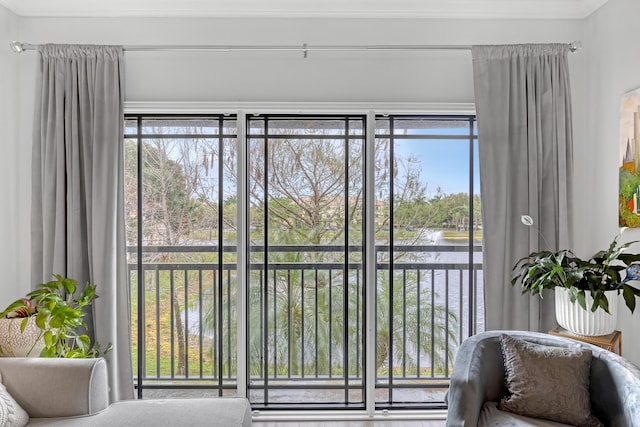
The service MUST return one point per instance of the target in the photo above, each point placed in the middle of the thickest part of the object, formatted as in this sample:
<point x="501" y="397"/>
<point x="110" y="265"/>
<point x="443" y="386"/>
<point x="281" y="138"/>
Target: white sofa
<point x="74" y="392"/>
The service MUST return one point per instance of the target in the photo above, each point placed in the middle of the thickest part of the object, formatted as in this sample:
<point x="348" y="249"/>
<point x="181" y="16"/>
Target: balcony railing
<point x="305" y="332"/>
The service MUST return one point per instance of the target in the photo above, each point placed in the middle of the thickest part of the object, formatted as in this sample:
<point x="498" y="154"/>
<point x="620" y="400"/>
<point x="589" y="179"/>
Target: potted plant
<point x="19" y="334"/>
<point x="594" y="284"/>
<point x="58" y="316"/>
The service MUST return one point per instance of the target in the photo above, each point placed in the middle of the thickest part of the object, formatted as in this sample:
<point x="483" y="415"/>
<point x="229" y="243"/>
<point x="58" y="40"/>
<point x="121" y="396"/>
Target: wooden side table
<point x="609" y="342"/>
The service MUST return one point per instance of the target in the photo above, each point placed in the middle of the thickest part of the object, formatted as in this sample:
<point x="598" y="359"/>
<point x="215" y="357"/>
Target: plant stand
<point x="609" y="342"/>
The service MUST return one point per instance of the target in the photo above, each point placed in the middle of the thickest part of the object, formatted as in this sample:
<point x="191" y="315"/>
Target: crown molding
<point x="448" y="9"/>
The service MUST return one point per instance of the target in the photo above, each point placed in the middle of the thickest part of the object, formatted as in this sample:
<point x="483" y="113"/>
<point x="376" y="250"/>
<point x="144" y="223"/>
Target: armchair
<point x="479" y="376"/>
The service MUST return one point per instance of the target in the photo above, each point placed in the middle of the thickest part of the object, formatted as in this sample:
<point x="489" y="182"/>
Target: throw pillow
<point x="11" y="413"/>
<point x="547" y="382"/>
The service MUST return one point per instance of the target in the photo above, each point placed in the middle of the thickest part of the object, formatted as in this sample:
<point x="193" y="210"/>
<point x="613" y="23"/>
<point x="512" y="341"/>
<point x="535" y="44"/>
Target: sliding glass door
<point x="428" y="243"/>
<point x="305" y="245"/>
<point x="180" y="197"/>
<point x="248" y="240"/>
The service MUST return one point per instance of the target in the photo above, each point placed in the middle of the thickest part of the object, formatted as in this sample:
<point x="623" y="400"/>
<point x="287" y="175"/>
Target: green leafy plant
<point x="600" y="273"/>
<point x="60" y="316"/>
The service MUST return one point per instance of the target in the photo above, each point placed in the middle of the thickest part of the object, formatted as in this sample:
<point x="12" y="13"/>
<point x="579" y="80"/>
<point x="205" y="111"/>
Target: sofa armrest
<point x="50" y="387"/>
<point x="477" y="377"/>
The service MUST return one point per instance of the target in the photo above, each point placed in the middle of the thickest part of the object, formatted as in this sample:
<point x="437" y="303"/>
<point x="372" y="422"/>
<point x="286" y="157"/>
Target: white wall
<point x="431" y="76"/>
<point x="14" y="276"/>
<point x="613" y="64"/>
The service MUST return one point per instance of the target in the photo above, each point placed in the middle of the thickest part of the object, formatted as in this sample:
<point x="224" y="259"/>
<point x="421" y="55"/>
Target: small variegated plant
<point x="60" y="316"/>
<point x="600" y="273"/>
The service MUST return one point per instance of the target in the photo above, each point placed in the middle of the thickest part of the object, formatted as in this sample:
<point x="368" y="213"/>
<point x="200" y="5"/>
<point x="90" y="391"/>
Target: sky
<point x="445" y="162"/>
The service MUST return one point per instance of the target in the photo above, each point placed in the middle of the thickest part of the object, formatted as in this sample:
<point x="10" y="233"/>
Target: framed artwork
<point x="629" y="193"/>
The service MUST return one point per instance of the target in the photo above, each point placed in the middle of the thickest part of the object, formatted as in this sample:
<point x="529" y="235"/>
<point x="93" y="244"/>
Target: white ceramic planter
<point x="16" y="344"/>
<point x="573" y="318"/>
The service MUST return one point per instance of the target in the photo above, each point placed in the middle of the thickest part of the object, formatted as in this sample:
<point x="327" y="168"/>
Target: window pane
<point x="306" y="201"/>
<point x="424" y="277"/>
<point x="185" y="191"/>
<point x="180" y="126"/>
<point x="433" y="127"/>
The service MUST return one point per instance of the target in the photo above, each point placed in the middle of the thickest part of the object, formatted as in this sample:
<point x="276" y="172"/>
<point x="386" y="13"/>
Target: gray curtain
<point x="78" y="199"/>
<point x="523" y="106"/>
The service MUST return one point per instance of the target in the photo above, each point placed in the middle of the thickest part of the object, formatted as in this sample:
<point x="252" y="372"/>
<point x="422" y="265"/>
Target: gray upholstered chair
<point x="479" y="377"/>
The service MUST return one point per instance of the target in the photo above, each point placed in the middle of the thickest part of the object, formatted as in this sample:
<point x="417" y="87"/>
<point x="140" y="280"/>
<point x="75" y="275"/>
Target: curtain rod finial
<point x="16" y="47"/>
<point x="575" y="45"/>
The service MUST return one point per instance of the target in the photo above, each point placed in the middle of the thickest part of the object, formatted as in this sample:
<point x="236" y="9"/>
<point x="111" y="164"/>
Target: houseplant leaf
<point x="629" y="295"/>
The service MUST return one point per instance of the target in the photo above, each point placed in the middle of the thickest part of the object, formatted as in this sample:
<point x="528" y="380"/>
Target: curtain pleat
<point x="78" y="223"/>
<point x="523" y="107"/>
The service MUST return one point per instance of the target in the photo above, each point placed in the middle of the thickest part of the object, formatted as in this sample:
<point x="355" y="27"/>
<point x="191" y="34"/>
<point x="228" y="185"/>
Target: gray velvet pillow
<point x="547" y="382"/>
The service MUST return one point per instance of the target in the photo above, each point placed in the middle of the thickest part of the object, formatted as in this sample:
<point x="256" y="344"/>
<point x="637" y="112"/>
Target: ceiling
<point x="501" y="9"/>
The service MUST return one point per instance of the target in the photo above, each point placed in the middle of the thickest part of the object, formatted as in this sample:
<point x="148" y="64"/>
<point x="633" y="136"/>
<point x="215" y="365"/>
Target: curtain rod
<point x="19" y="47"/>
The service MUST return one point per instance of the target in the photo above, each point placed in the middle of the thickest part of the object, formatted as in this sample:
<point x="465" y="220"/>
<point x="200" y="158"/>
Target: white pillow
<point x="11" y="413"/>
